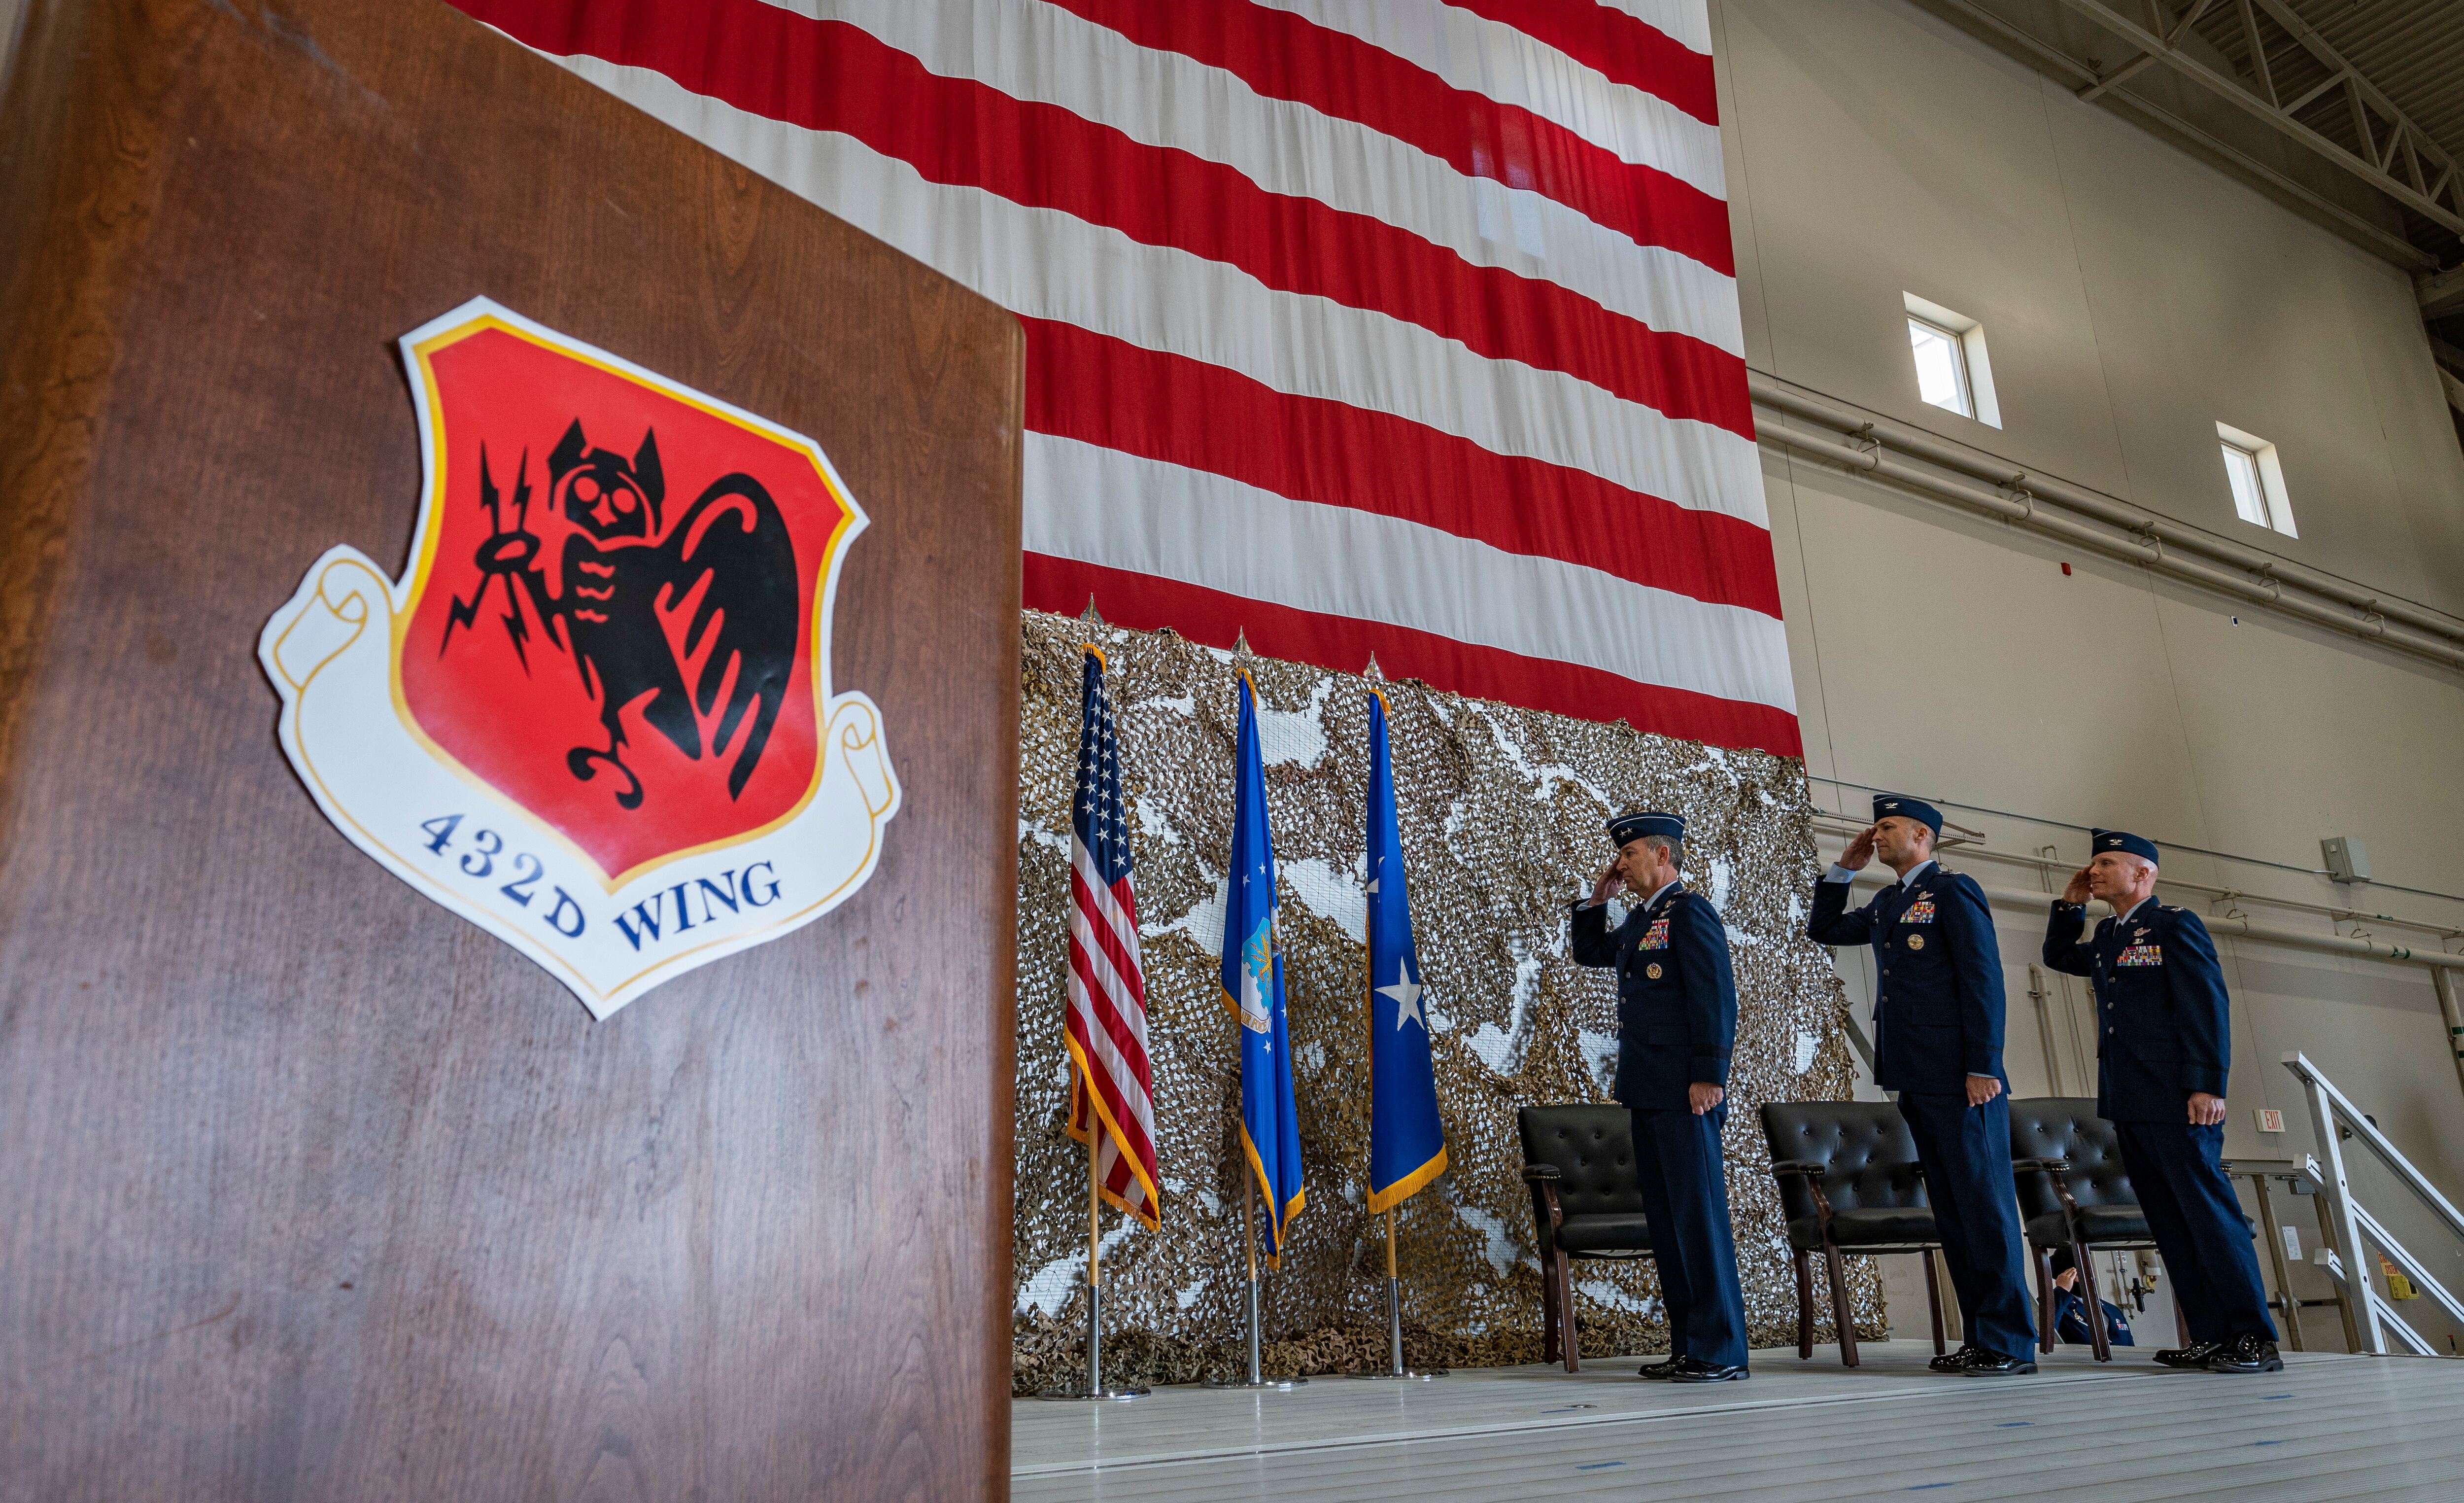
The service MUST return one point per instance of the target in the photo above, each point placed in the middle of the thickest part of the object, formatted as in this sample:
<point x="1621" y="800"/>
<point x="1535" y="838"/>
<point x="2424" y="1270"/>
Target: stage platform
<point x="2327" y="1427"/>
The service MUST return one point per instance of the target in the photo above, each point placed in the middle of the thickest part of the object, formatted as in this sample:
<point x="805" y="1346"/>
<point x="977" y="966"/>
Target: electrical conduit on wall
<point x="2055" y="507"/>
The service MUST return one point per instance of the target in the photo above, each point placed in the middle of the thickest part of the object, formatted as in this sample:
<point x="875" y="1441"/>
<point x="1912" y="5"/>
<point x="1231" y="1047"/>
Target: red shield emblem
<point x="594" y="712"/>
<point x="616" y="609"/>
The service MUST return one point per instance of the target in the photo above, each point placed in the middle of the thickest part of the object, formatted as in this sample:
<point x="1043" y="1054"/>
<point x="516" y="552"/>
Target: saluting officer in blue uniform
<point x="2163" y="1048"/>
<point x="1677" y="1023"/>
<point x="1938" y="1025"/>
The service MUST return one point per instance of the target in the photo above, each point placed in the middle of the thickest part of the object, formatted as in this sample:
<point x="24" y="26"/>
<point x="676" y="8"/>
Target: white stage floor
<point x="2327" y="1427"/>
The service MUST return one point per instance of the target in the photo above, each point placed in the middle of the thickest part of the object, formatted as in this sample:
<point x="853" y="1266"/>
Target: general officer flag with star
<point x="1253" y="988"/>
<point x="1407" y="1144"/>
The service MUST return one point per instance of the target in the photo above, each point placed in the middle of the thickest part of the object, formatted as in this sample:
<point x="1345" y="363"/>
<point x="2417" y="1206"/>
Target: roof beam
<point x="2075" y="75"/>
<point x="2089" y="93"/>
<point x="2262" y="104"/>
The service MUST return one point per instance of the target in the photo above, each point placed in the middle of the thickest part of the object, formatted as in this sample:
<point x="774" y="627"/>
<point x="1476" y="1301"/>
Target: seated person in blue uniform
<point x="1677" y="1023"/>
<point x="2163" y="1048"/>
<point x="1938" y="1043"/>
<point x="2070" y="1308"/>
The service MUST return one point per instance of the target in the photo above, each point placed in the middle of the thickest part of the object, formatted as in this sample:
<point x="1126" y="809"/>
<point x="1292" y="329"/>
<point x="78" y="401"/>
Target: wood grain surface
<point x="313" y="1190"/>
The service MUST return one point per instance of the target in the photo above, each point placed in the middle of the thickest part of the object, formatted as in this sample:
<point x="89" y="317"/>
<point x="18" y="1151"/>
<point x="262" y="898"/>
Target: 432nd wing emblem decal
<point x="594" y="715"/>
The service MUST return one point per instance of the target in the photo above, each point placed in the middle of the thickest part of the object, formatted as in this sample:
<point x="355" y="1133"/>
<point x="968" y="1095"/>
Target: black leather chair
<point x="2073" y="1193"/>
<point x="1578" y="1159"/>
<point x="1849" y="1181"/>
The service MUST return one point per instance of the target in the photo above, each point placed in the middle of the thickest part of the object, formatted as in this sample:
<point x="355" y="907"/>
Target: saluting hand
<point x="1606" y="886"/>
<point x="2077" y="891"/>
<point x="2206" y="1111"/>
<point x="1859" y="850"/>
<point x="1703" y="1097"/>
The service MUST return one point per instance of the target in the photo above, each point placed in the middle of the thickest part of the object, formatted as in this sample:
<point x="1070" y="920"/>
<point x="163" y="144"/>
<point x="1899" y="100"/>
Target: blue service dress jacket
<point x="1676" y="995"/>
<point x="1938" y="978"/>
<point x="2161" y="1029"/>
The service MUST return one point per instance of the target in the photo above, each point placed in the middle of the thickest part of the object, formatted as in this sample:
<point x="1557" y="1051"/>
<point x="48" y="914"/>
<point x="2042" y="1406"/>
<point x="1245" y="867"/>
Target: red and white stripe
<point x="1107" y="1030"/>
<point x="1396" y="325"/>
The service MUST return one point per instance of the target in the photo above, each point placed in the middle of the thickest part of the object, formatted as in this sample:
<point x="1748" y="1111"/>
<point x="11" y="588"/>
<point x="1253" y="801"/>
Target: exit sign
<point x="2270" y="1119"/>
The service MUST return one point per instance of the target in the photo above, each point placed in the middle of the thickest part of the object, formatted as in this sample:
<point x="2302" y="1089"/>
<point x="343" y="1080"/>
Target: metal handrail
<point x="2302" y="1180"/>
<point x="2356" y="1229"/>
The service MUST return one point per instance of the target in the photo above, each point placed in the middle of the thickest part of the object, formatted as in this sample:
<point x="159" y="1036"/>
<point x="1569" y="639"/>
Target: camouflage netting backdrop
<point x="1502" y="811"/>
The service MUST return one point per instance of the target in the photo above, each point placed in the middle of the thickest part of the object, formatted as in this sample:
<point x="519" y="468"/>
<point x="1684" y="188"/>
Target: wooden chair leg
<point x="1566" y="1313"/>
<point x="1804" y="1305"/>
<point x="2044" y="1300"/>
<point x="1933" y="1301"/>
<point x="1839" y="1313"/>
<point x="2103" y="1345"/>
<point x="1548" y="1352"/>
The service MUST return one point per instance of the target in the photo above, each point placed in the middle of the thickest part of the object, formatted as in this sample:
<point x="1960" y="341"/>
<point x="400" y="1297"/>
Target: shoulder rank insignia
<point x="2142" y="955"/>
<point x="1920" y="912"/>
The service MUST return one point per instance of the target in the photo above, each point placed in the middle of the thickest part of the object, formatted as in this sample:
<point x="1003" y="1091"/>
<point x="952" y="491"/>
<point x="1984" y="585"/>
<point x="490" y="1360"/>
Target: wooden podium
<point x="312" y="1189"/>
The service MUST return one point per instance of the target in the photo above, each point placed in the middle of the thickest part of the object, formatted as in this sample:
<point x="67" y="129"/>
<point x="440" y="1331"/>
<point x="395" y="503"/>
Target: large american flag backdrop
<point x="1403" y="326"/>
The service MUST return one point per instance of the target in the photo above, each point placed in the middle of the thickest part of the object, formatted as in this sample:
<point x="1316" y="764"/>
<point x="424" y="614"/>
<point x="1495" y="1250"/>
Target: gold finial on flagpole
<point x="1373" y="673"/>
<point x="1091" y="616"/>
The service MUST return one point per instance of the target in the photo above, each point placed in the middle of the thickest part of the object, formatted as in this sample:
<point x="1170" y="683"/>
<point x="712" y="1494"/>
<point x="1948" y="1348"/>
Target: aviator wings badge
<point x="594" y="716"/>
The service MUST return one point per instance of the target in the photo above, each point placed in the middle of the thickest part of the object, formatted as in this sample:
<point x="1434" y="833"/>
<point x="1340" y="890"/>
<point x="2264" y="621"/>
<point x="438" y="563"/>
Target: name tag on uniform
<point x="1920" y="912"/>
<point x="2142" y="955"/>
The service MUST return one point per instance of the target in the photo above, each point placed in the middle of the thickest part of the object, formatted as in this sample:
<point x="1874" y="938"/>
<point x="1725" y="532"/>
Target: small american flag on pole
<point x="1110" y="1084"/>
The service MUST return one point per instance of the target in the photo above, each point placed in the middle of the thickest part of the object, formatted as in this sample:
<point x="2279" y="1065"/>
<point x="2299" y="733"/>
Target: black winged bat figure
<point x="729" y="556"/>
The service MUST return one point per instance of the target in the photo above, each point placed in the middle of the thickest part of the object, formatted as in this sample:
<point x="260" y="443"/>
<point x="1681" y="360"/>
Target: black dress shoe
<point x="1694" y="1370"/>
<point x="1659" y="1369"/>
<point x="2194" y="1355"/>
<point x="1982" y="1363"/>
<point x="1952" y="1362"/>
<point x="2245" y="1354"/>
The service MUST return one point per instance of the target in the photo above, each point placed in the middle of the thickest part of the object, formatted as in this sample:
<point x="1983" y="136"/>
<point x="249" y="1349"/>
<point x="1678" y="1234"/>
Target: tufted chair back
<point x="2067" y="1127"/>
<point x="1869" y="1160"/>
<point x="1590" y="1145"/>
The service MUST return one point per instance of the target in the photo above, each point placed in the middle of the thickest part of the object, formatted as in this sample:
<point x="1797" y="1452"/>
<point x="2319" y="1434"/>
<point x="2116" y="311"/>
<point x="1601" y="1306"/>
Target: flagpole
<point x="1395" y="1368"/>
<point x="1093" y="1387"/>
<point x="1394" y="1304"/>
<point x="1257" y="1378"/>
<point x="1094" y="1270"/>
<point x="1249" y="1241"/>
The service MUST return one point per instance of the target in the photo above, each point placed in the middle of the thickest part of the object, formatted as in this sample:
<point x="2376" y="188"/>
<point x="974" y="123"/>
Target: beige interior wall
<point x="2131" y="297"/>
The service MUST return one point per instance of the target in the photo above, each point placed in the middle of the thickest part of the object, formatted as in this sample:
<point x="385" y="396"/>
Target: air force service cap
<point x="1634" y="827"/>
<point x="1888" y="805"/>
<point x="2101" y="841"/>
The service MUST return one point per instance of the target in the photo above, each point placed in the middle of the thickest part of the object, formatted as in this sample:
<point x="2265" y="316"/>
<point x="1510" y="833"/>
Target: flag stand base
<point x="1093" y="1387"/>
<point x="1254" y="1379"/>
<point x="1396" y="1370"/>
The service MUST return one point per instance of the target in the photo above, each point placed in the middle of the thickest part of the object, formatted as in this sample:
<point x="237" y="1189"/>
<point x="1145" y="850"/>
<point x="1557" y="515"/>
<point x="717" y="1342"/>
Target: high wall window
<point x="2256" y="479"/>
<point x="1952" y="372"/>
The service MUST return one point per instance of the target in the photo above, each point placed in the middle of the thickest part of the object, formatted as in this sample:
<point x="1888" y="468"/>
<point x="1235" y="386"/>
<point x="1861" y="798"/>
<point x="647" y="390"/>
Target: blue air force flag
<point x="1253" y="988"/>
<point x="1407" y="1144"/>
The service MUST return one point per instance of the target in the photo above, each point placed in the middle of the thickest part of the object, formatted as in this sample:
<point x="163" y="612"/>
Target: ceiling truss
<point x="2291" y="80"/>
